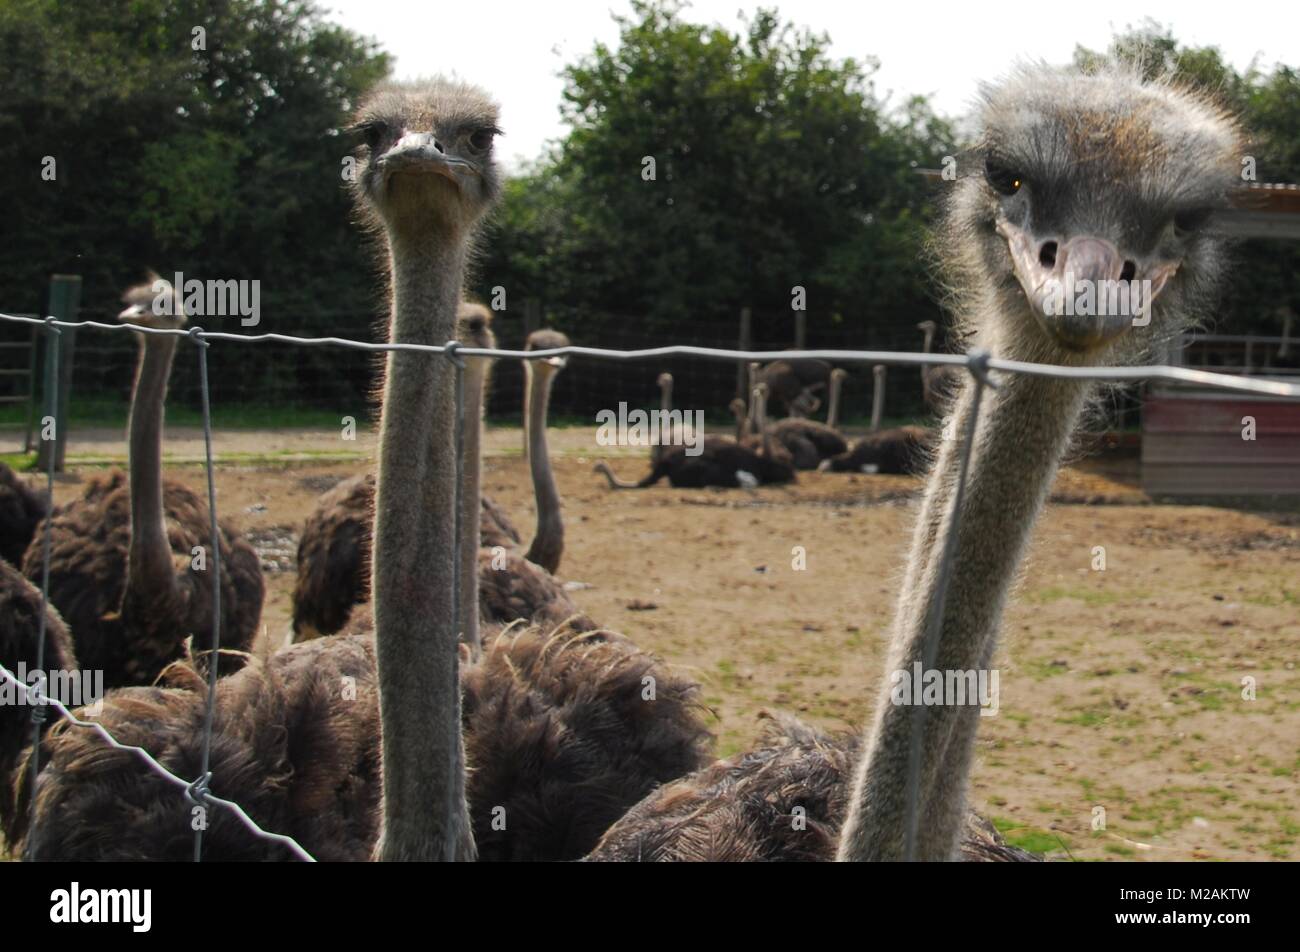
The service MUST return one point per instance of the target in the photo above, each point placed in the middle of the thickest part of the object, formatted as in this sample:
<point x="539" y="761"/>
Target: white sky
<point x="515" y="48"/>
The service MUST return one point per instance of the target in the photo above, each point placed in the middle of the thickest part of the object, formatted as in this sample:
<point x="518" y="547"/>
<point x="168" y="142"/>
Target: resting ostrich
<point x="938" y="384"/>
<point x="793" y="384"/>
<point x="20" y="618"/>
<point x="21" y="510"/>
<point x="721" y="461"/>
<point x="808" y="441"/>
<point x="1104" y="176"/>
<point x="124" y="573"/>
<point x="900" y="450"/>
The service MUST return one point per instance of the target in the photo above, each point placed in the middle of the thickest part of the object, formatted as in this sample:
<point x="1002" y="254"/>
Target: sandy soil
<point x="1120" y="689"/>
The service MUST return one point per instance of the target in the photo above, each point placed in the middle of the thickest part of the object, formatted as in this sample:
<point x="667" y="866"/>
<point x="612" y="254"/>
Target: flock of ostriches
<point x="454" y="703"/>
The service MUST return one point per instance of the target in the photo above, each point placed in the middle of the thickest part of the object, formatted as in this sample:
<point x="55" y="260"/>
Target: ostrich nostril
<point x="1129" y="272"/>
<point x="438" y="145"/>
<point x="1047" y="254"/>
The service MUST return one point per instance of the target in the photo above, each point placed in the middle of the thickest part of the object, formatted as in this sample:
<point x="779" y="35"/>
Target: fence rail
<point x="978" y="363"/>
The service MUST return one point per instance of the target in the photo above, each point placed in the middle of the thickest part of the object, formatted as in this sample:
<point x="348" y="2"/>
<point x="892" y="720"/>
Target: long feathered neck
<point x="476" y="380"/>
<point x="833" y="411"/>
<point x="1023" y="430"/>
<point x="149" y="556"/>
<point x="424" y="812"/>
<point x="548" y="542"/>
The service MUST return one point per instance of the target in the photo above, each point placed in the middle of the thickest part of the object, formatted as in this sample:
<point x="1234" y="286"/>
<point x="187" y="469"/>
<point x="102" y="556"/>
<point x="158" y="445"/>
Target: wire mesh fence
<point x="982" y="367"/>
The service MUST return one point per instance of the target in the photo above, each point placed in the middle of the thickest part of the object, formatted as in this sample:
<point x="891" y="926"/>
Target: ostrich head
<point x="664" y="380"/>
<point x="839" y="375"/>
<point x="547" y="340"/>
<point x="426" y="158"/>
<point x="474" y="326"/>
<point x="1089" y="180"/>
<point x="154" y="303"/>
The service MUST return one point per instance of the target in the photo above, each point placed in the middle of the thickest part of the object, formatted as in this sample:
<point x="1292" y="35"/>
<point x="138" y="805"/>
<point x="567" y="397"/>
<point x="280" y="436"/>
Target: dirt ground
<point x="1121" y="690"/>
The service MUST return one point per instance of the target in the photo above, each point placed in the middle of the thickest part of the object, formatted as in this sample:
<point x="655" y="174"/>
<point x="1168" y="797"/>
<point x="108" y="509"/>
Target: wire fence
<point x="979" y="364"/>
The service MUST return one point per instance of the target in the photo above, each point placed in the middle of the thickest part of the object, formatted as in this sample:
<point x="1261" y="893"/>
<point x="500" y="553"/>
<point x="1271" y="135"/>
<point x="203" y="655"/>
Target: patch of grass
<point x="1088" y="596"/>
<point x="1026" y="837"/>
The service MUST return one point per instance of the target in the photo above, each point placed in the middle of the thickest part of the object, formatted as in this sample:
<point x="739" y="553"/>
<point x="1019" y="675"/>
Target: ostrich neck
<point x="1023" y="430"/>
<point x="548" y="541"/>
<point x="833" y="411"/>
<point x="476" y="374"/>
<point x="149" y="556"/>
<point x="424" y="813"/>
<point x="878" y="402"/>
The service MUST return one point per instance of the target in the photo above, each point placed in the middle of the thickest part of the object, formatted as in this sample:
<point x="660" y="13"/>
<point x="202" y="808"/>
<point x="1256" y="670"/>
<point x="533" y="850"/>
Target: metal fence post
<point x="65" y="298"/>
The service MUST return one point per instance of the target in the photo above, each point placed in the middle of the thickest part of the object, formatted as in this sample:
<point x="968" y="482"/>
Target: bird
<point x="897" y="450"/>
<point x="130" y="560"/>
<point x="1107" y="176"/>
<point x="793" y="384"/>
<point x="547" y="546"/>
<point x="21" y="510"/>
<point x="721" y="461"/>
<point x="810" y="441"/>
<point x="745" y="462"/>
<point x="783" y="800"/>
<point x="565" y="729"/>
<point x="334" y="548"/>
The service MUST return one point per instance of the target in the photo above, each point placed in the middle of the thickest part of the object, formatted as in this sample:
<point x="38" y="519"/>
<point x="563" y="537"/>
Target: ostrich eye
<point x="1191" y="220"/>
<point x="371" y="132"/>
<point x="1004" y="178"/>
<point x="480" y="140"/>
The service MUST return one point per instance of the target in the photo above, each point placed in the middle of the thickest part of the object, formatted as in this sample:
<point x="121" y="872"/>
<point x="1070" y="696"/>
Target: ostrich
<point x="21" y="510"/>
<point x="793" y="384"/>
<point x="333" y="578"/>
<point x="555" y="724"/>
<point x="900" y="450"/>
<point x="721" y="461"/>
<point x="20" y="620"/>
<point x="878" y="373"/>
<point x="938" y="384"/>
<point x="665" y="384"/>
<point x="129" y="560"/>
<point x="1103" y="176"/>
<point x="808" y="441"/>
<point x="548" y="541"/>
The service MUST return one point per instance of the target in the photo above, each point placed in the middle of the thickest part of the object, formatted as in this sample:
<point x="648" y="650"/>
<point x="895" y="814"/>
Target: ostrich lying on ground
<point x="721" y="462"/>
<point x="808" y="441"/>
<point x="903" y="449"/>
<point x="1104" y="177"/>
<point x="21" y="510"/>
<point x="125" y="569"/>
<point x="794" y="384"/>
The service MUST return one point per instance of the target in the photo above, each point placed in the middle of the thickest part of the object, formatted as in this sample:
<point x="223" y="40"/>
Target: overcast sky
<point x="515" y="48"/>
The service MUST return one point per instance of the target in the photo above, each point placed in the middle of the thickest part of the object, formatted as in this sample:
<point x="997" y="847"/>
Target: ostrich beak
<point x="1083" y="291"/>
<point x="421" y="153"/>
<point x="132" y="313"/>
<point x="558" y="363"/>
